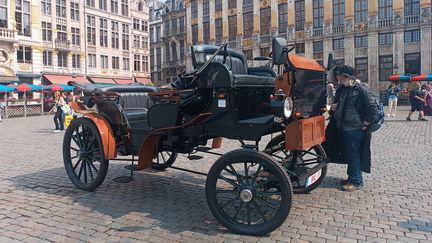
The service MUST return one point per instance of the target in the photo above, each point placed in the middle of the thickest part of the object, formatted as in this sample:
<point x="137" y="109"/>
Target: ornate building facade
<point x="55" y="41"/>
<point x="378" y="38"/>
<point x="157" y="9"/>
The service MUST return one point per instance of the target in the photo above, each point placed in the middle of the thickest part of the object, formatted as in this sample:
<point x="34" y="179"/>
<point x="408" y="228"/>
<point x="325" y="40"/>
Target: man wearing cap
<point x="352" y="112"/>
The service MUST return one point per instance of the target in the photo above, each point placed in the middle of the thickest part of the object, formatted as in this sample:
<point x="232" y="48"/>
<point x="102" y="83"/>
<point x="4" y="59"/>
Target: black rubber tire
<point x="164" y="163"/>
<point x="97" y="176"/>
<point x="282" y="184"/>
<point x="319" y="150"/>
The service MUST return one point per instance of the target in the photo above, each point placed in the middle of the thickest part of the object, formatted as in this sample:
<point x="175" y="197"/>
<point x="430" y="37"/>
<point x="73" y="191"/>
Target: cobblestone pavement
<point x="38" y="202"/>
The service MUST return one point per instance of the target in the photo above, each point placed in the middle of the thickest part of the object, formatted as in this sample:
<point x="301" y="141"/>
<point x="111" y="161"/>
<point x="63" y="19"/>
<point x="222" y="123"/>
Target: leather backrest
<point x="236" y="64"/>
<point x="130" y="100"/>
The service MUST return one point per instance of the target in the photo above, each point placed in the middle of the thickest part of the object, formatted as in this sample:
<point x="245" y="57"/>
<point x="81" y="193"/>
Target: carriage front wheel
<point x="248" y="192"/>
<point x="83" y="154"/>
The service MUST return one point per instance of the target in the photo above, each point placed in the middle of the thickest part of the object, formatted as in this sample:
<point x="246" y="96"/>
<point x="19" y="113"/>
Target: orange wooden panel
<point x="217" y="142"/>
<point x="284" y="83"/>
<point x="300" y="62"/>
<point x="107" y="136"/>
<point x="305" y="133"/>
<point x="78" y="107"/>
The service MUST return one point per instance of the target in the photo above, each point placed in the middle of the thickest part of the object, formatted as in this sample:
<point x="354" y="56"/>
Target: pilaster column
<point x="309" y="49"/>
<point x="200" y="19"/>
<point x="212" y="22"/>
<point x="373" y="61"/>
<point x="426" y="50"/>
<point x="399" y="50"/>
<point x="349" y="54"/>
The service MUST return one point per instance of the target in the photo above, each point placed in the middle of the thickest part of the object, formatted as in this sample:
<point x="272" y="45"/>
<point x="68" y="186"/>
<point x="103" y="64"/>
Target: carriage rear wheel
<point x="248" y="192"/>
<point x="304" y="164"/>
<point x="164" y="160"/>
<point x="83" y="154"/>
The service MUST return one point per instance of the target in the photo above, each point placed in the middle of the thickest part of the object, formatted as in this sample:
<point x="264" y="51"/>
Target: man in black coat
<point x="353" y="110"/>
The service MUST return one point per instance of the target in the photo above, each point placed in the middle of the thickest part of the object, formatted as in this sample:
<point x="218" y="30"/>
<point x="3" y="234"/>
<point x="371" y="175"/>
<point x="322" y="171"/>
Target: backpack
<point x="379" y="110"/>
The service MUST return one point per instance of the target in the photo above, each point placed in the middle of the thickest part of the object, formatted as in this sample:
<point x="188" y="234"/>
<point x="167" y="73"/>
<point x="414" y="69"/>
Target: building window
<point x="137" y="60"/>
<point x="218" y="5"/>
<point x="385" y="38"/>
<point x="103" y="5"/>
<point x="91" y="60"/>
<point x="167" y="53"/>
<point x="124" y="8"/>
<point x="76" y="36"/>
<point x="194" y="34"/>
<point x="318" y="46"/>
<point x="103" y="32"/>
<point x="385" y="67"/>
<point x="318" y="14"/>
<point x="265" y="19"/>
<point x="411" y="7"/>
<point x="144" y="26"/>
<point x="265" y="51"/>
<point x="412" y="64"/>
<point x="46" y="31"/>
<point x="158" y="33"/>
<point x="114" y="6"/>
<point x="232" y="27"/>
<point x="218" y="30"/>
<point x="125" y="36"/>
<point x="3" y="14"/>
<point x="22" y="17"/>
<point x="90" y="3"/>
<point x="299" y="14"/>
<point x="181" y="50"/>
<point x="91" y="30"/>
<point x="61" y="32"/>
<point x="140" y="6"/>
<point x="145" y="64"/>
<point x="104" y="61"/>
<point x="61" y="8"/>
<point x="46" y="7"/>
<point x="136" y="41"/>
<point x="74" y="10"/>
<point x="159" y="58"/>
<point x="232" y="4"/>
<point x="76" y="61"/>
<point x="361" y="67"/>
<point x="300" y="48"/>
<point x="115" y="35"/>
<point x="283" y="17"/>
<point x="194" y="9"/>
<point x="338" y="44"/>
<point x="338" y="12"/>
<point x="136" y="24"/>
<point x="385" y="9"/>
<point x="361" y="41"/>
<point x="47" y="58"/>
<point x="115" y="61"/>
<point x="360" y="11"/>
<point x="145" y="42"/>
<point x="62" y="59"/>
<point x="247" y="2"/>
<point x="174" y="51"/>
<point x="182" y="22"/>
<point x="412" y="36"/>
<point x="167" y="28"/>
<point x="206" y="7"/>
<point x="24" y="54"/>
<point x="247" y="24"/>
<point x="126" y="63"/>
<point x="206" y="32"/>
<point x="174" y="26"/>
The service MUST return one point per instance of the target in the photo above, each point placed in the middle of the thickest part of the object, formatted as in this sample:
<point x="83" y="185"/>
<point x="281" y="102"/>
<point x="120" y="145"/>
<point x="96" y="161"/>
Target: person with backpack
<point x="417" y="102"/>
<point x="353" y="113"/>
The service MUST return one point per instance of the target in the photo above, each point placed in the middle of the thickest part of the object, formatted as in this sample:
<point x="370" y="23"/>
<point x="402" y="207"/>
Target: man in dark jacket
<point x="353" y="111"/>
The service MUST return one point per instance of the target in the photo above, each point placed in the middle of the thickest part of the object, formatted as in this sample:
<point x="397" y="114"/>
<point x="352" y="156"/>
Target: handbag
<point x="66" y="109"/>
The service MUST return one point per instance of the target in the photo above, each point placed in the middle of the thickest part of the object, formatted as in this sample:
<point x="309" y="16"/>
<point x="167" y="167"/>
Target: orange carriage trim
<point x="107" y="136"/>
<point x="300" y="62"/>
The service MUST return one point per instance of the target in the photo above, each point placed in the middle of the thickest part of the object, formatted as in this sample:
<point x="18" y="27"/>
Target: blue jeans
<point x="353" y="141"/>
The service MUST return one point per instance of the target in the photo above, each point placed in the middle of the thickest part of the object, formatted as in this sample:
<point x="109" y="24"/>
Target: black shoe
<point x="343" y="182"/>
<point x="408" y="119"/>
<point x="423" y="119"/>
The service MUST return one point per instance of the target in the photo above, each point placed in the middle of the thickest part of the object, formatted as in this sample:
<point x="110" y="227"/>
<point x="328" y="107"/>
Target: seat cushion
<point x="236" y="64"/>
<point x="136" y="114"/>
<point x="261" y="71"/>
<point x="135" y="100"/>
<point x="253" y="81"/>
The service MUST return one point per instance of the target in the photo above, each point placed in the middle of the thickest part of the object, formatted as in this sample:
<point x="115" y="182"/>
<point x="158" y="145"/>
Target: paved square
<point x="39" y="203"/>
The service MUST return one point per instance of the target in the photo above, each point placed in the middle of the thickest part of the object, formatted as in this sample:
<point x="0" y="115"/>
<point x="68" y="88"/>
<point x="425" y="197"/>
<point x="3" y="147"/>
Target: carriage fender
<point x="106" y="133"/>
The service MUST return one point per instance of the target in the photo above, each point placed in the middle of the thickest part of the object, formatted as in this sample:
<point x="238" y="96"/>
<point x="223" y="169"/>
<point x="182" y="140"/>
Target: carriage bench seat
<point x="241" y="80"/>
<point x="135" y="105"/>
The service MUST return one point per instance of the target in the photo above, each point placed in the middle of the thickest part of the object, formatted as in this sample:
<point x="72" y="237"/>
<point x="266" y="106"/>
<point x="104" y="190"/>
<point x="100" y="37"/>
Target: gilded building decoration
<point x="425" y="15"/>
<point x="265" y="3"/>
<point x="232" y="11"/>
<point x="398" y="18"/>
<point x="247" y="42"/>
<point x="282" y="1"/>
<point x="373" y="22"/>
<point x="218" y="15"/>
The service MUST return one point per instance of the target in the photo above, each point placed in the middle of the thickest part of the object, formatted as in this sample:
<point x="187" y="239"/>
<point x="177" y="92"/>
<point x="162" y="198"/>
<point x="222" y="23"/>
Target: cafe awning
<point x="123" y="80"/>
<point x="145" y="81"/>
<point x="64" y="79"/>
<point x="9" y="79"/>
<point x="102" y="80"/>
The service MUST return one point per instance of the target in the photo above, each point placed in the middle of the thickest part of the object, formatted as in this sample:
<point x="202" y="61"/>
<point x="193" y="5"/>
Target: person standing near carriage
<point x="417" y="102"/>
<point x="353" y="110"/>
<point x="392" y="94"/>
<point x="58" y="117"/>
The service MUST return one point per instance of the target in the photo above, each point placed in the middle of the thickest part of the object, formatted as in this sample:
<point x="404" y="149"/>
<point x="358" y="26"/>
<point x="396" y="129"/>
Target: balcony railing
<point x="264" y="39"/>
<point x="317" y="32"/>
<point x="61" y="21"/>
<point x="412" y="19"/>
<point x="62" y="44"/>
<point x="338" y="29"/>
<point x="385" y="23"/>
<point x="8" y="34"/>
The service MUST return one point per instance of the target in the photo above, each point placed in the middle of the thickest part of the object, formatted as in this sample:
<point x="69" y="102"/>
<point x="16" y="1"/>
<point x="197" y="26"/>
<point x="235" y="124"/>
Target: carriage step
<point x="203" y="149"/>
<point x="132" y="167"/>
<point x="194" y="157"/>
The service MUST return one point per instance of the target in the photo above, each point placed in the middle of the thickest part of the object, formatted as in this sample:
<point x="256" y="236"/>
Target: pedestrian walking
<point x="57" y="108"/>
<point x="428" y="101"/>
<point x="392" y="94"/>
<point x="417" y="101"/>
<point x="353" y="110"/>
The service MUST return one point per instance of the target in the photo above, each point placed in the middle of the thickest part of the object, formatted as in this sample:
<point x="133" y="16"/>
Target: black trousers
<point x="58" y="119"/>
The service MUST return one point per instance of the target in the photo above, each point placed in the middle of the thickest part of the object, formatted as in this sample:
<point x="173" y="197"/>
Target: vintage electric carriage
<point x="249" y="191"/>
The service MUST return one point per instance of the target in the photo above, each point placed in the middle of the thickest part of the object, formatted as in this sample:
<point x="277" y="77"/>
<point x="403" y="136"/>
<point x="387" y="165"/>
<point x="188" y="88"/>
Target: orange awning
<point x="143" y="80"/>
<point x="103" y="80"/>
<point x="64" y="79"/>
<point x="123" y="80"/>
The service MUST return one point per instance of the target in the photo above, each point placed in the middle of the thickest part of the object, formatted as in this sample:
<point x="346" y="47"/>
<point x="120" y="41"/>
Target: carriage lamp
<point x="288" y="107"/>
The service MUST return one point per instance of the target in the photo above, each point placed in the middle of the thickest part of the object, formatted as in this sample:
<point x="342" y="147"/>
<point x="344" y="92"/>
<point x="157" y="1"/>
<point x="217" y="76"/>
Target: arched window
<point x="180" y="5"/>
<point x="140" y="6"/>
<point x="157" y="15"/>
<point x="174" y="51"/>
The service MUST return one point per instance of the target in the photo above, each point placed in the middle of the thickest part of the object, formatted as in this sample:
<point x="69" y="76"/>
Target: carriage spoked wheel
<point x="303" y="164"/>
<point x="83" y="154"/>
<point x="164" y="160"/>
<point x="248" y="192"/>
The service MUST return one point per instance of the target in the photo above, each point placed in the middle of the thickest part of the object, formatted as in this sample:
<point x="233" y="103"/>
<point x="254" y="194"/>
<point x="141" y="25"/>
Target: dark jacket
<point x="334" y="142"/>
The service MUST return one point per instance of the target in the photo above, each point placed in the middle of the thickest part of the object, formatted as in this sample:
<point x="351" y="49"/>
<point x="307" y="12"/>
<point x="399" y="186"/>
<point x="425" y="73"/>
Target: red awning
<point x="103" y="80"/>
<point x="123" y="80"/>
<point x="64" y="79"/>
<point x="143" y="80"/>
